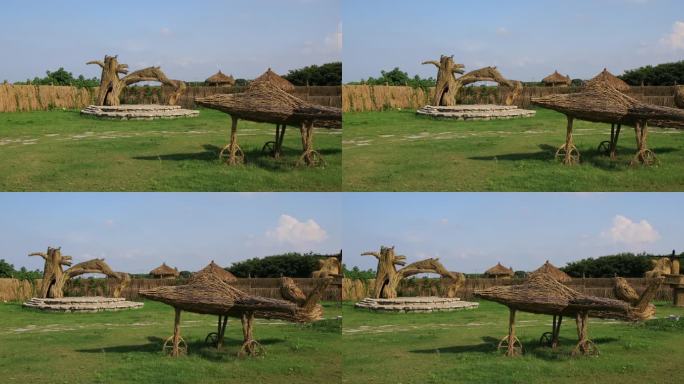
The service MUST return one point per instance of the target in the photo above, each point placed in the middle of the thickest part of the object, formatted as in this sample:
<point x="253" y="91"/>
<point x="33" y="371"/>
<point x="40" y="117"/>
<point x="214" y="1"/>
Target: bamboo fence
<point x="365" y="98"/>
<point x="355" y="290"/>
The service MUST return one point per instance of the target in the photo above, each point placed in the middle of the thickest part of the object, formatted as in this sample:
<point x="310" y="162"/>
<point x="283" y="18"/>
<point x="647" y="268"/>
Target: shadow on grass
<point x="195" y="347"/>
<point x="530" y="347"/>
<point x="254" y="157"/>
<point x="593" y="157"/>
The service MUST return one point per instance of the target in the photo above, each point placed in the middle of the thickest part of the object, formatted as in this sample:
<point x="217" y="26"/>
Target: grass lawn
<point x="63" y="151"/>
<point x="399" y="151"/>
<point x="125" y="347"/>
<point x="460" y="347"/>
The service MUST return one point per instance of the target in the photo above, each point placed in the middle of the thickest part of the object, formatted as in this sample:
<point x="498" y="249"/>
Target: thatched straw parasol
<point x="209" y="294"/>
<point x="600" y="102"/>
<point x="553" y="271"/>
<point x="265" y="103"/>
<point x="273" y="78"/>
<point x="499" y="271"/>
<point x="215" y="338"/>
<point x="219" y="78"/>
<point x="543" y="294"/>
<point x="556" y="80"/>
<point x="608" y="78"/>
<point x="164" y="272"/>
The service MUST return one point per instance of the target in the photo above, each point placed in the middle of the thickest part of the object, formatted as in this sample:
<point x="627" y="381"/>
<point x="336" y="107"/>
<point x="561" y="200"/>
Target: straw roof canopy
<point x="606" y="77"/>
<point x="543" y="294"/>
<point x="164" y="270"/>
<point x="264" y="103"/>
<point x="557" y="79"/>
<point x="553" y="271"/>
<point x="499" y="270"/>
<point x="599" y="102"/>
<point x="219" y="78"/>
<point x="273" y="78"/>
<point x="209" y="294"/>
<point x="216" y="270"/>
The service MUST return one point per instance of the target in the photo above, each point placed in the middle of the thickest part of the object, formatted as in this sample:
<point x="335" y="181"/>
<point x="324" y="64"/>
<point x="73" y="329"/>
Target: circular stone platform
<point x="82" y="304"/>
<point x="139" y="112"/>
<point x="475" y="112"/>
<point x="416" y="304"/>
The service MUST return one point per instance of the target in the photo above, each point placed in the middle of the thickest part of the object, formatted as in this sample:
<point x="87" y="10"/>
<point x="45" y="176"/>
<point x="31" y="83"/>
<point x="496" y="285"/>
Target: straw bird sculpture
<point x="448" y="85"/>
<point x="388" y="277"/>
<point x="600" y="102"/>
<point x="266" y="103"/>
<point x="542" y="294"/>
<point x="209" y="294"/>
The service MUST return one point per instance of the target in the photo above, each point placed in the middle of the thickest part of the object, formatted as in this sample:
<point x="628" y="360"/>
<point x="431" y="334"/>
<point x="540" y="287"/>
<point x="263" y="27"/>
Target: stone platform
<point x="139" y="112"/>
<point x="82" y="304"/>
<point x="475" y="112"/>
<point x="416" y="304"/>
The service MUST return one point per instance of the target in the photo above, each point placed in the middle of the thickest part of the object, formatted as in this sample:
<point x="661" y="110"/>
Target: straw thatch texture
<point x="216" y="270"/>
<point x="661" y="266"/>
<point x="556" y="79"/>
<point x="264" y="103"/>
<point x="19" y="98"/>
<point x="328" y="267"/>
<point x="164" y="270"/>
<point x="498" y="271"/>
<point x="679" y="96"/>
<point x="220" y="79"/>
<point x="270" y="77"/>
<point x="602" y="103"/>
<point x="17" y="290"/>
<point x="608" y="78"/>
<point x="623" y="291"/>
<point x="553" y="271"/>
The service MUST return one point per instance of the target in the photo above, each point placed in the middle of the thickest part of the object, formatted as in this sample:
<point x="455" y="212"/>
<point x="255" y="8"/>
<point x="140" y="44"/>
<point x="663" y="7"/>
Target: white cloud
<point x="503" y="31"/>
<point x="626" y="231"/>
<point x="166" y="32"/>
<point x="675" y="40"/>
<point x="298" y="233"/>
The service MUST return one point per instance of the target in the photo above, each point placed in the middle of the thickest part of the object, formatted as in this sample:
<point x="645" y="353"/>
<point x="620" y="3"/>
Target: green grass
<point x="460" y="347"/>
<point x="399" y="151"/>
<point x="125" y="347"/>
<point x="63" y="151"/>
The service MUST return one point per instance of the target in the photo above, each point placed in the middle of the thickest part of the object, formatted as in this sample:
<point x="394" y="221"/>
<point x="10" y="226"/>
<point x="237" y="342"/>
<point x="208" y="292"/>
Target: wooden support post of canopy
<point x="511" y="342"/>
<point x="175" y="345"/>
<point x="274" y="148"/>
<point x="235" y="154"/>
<point x="584" y="346"/>
<point x="568" y="150"/>
<point x="550" y="339"/>
<point x="310" y="156"/>
<point x="250" y="347"/>
<point x="643" y="155"/>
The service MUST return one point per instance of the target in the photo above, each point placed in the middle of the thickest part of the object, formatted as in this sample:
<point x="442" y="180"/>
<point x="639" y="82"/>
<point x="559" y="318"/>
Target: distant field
<point x="125" y="347"/>
<point x="399" y="151"/>
<point x="62" y="151"/>
<point x="460" y="347"/>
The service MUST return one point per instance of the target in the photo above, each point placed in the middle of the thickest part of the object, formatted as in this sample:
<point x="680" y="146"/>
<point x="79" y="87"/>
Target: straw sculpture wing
<point x="542" y="294"/>
<point x="600" y="102"/>
<point x="265" y="103"/>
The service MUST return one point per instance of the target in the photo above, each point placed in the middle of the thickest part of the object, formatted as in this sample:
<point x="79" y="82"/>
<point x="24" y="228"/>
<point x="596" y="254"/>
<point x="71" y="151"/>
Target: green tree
<point x="6" y="269"/>
<point x="316" y="75"/>
<point x="289" y="264"/>
<point x="398" y="77"/>
<point x="661" y="74"/>
<point x="356" y="273"/>
<point x="623" y="264"/>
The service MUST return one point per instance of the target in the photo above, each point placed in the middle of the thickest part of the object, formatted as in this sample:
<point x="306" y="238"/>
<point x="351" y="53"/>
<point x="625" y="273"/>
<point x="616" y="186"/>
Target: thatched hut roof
<point x="553" y="271"/>
<point x="165" y="270"/>
<point x="599" y="102"/>
<point x="556" y="79"/>
<point x="219" y="78"/>
<point x="216" y="270"/>
<point x="606" y="77"/>
<point x="209" y="294"/>
<point x="545" y="295"/>
<point x="273" y="78"/>
<point x="264" y="103"/>
<point x="499" y="270"/>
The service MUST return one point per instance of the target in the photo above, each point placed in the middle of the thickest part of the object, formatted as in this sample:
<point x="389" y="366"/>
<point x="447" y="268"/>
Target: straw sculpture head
<point x="265" y="103"/>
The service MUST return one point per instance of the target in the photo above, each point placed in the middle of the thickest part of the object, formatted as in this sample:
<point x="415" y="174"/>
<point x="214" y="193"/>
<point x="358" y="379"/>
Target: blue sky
<point x="470" y="232"/>
<point x="136" y="232"/>
<point x="526" y="39"/>
<point x="190" y="40"/>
